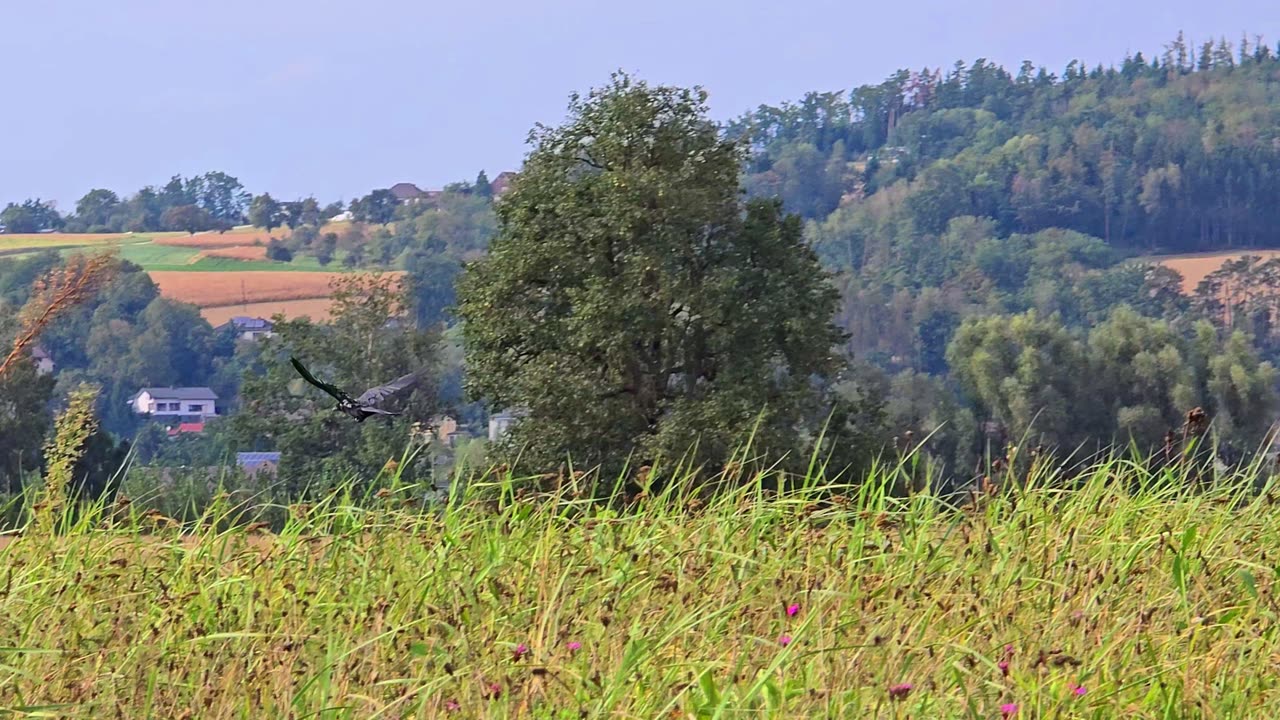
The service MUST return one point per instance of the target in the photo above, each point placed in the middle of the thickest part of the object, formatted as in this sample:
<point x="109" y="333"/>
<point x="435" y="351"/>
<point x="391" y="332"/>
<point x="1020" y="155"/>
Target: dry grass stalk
<point x="53" y="295"/>
<point x="73" y="428"/>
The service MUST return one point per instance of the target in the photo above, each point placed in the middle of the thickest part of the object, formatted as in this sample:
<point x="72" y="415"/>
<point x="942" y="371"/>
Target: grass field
<point x="1101" y="602"/>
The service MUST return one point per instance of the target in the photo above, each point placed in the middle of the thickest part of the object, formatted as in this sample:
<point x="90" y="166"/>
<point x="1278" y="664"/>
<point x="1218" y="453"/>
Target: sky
<point x="334" y="98"/>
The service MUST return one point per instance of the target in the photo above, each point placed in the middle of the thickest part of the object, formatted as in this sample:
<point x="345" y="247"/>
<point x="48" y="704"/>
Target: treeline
<point x="1175" y="153"/>
<point x="212" y="201"/>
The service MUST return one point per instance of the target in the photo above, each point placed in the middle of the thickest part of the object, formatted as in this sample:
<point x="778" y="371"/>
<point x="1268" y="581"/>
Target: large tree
<point x="632" y="303"/>
<point x="265" y="212"/>
<point x="31" y="216"/>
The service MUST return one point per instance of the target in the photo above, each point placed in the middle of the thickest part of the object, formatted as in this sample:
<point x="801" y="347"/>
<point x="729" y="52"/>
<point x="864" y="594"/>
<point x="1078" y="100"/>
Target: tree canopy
<point x="632" y="303"/>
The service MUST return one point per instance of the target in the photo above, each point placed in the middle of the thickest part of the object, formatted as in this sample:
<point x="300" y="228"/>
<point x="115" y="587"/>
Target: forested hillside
<point x="941" y="198"/>
<point x="1174" y="154"/>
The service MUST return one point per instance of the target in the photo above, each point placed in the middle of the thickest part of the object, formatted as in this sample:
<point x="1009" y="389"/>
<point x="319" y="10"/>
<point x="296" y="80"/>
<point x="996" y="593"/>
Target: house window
<point x="194" y="408"/>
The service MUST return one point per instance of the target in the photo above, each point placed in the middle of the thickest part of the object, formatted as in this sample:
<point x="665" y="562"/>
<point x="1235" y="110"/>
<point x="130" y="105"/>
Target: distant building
<point x="194" y="428"/>
<point x="406" y="193"/>
<point x="250" y="328"/>
<point x="344" y="216"/>
<point x="500" y="423"/>
<point x="502" y="183"/>
<point x="44" y="363"/>
<point x="445" y="428"/>
<point x="255" y="462"/>
<point x="175" y="402"/>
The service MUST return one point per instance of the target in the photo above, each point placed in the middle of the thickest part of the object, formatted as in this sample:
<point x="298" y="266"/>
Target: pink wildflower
<point x="574" y="646"/>
<point x="785" y="640"/>
<point x="900" y="691"/>
<point x="793" y="609"/>
<point x="452" y="705"/>
<point x="1078" y="689"/>
<point x="520" y="651"/>
<point x="1008" y="710"/>
<point x="1004" y="667"/>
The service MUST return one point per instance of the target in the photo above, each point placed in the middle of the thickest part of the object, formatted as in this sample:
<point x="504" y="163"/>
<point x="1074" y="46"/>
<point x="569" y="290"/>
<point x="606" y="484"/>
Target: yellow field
<point x="213" y="289"/>
<point x="1194" y="268"/>
<point x="315" y="308"/>
<point x="257" y="293"/>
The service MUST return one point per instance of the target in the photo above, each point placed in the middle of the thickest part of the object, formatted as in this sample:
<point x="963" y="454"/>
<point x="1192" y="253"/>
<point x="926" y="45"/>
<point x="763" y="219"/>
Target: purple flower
<point x="785" y="640"/>
<point x="574" y="646"/>
<point x="1004" y="667"/>
<point x="1008" y="709"/>
<point x="900" y="691"/>
<point x="452" y="705"/>
<point x="1078" y="689"/>
<point x="520" y="651"/>
<point x="793" y="609"/>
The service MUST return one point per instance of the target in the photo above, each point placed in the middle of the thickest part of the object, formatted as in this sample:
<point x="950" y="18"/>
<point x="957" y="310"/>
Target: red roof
<point x="189" y="427"/>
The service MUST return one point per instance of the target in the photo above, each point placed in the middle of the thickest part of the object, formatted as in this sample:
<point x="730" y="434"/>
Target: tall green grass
<point x="1132" y="593"/>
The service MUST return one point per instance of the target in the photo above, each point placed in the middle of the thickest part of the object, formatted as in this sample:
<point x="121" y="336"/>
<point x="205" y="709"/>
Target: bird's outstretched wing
<point x="375" y="395"/>
<point x="335" y="392"/>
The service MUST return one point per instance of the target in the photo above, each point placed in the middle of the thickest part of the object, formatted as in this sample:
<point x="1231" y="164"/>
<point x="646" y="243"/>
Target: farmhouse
<point x="250" y="328"/>
<point x="175" y="402"/>
<point x="407" y="193"/>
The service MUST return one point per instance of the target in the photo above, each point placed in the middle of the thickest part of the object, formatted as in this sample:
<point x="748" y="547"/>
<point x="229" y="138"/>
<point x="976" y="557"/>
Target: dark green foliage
<point x="31" y="216"/>
<point x="631" y="302"/>
<point x="357" y="349"/>
<point x="265" y="212"/>
<point x="24" y="419"/>
<point x="277" y="250"/>
<point x="377" y="207"/>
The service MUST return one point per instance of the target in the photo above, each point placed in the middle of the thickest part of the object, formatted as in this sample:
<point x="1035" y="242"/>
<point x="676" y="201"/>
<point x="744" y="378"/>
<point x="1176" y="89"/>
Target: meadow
<point x="1131" y="595"/>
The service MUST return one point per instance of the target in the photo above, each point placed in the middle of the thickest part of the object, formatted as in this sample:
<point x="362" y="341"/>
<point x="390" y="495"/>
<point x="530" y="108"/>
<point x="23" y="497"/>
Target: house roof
<point x="250" y="323"/>
<point x="502" y="183"/>
<point x="187" y="427"/>
<point x="405" y="191"/>
<point x="251" y="460"/>
<point x="179" y="393"/>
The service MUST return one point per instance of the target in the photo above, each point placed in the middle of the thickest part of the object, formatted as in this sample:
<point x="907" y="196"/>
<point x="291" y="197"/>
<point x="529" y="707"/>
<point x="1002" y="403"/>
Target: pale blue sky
<point x="336" y="97"/>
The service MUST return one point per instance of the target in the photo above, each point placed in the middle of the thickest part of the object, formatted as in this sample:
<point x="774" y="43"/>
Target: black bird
<point x="367" y="404"/>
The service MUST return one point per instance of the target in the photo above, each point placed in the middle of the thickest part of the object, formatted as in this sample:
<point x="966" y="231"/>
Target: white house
<point x="44" y="363"/>
<point x="175" y="402"/>
<point x="250" y="328"/>
<point x="500" y="423"/>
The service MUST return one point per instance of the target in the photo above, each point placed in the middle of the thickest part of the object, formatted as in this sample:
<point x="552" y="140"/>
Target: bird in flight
<point x="367" y="404"/>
